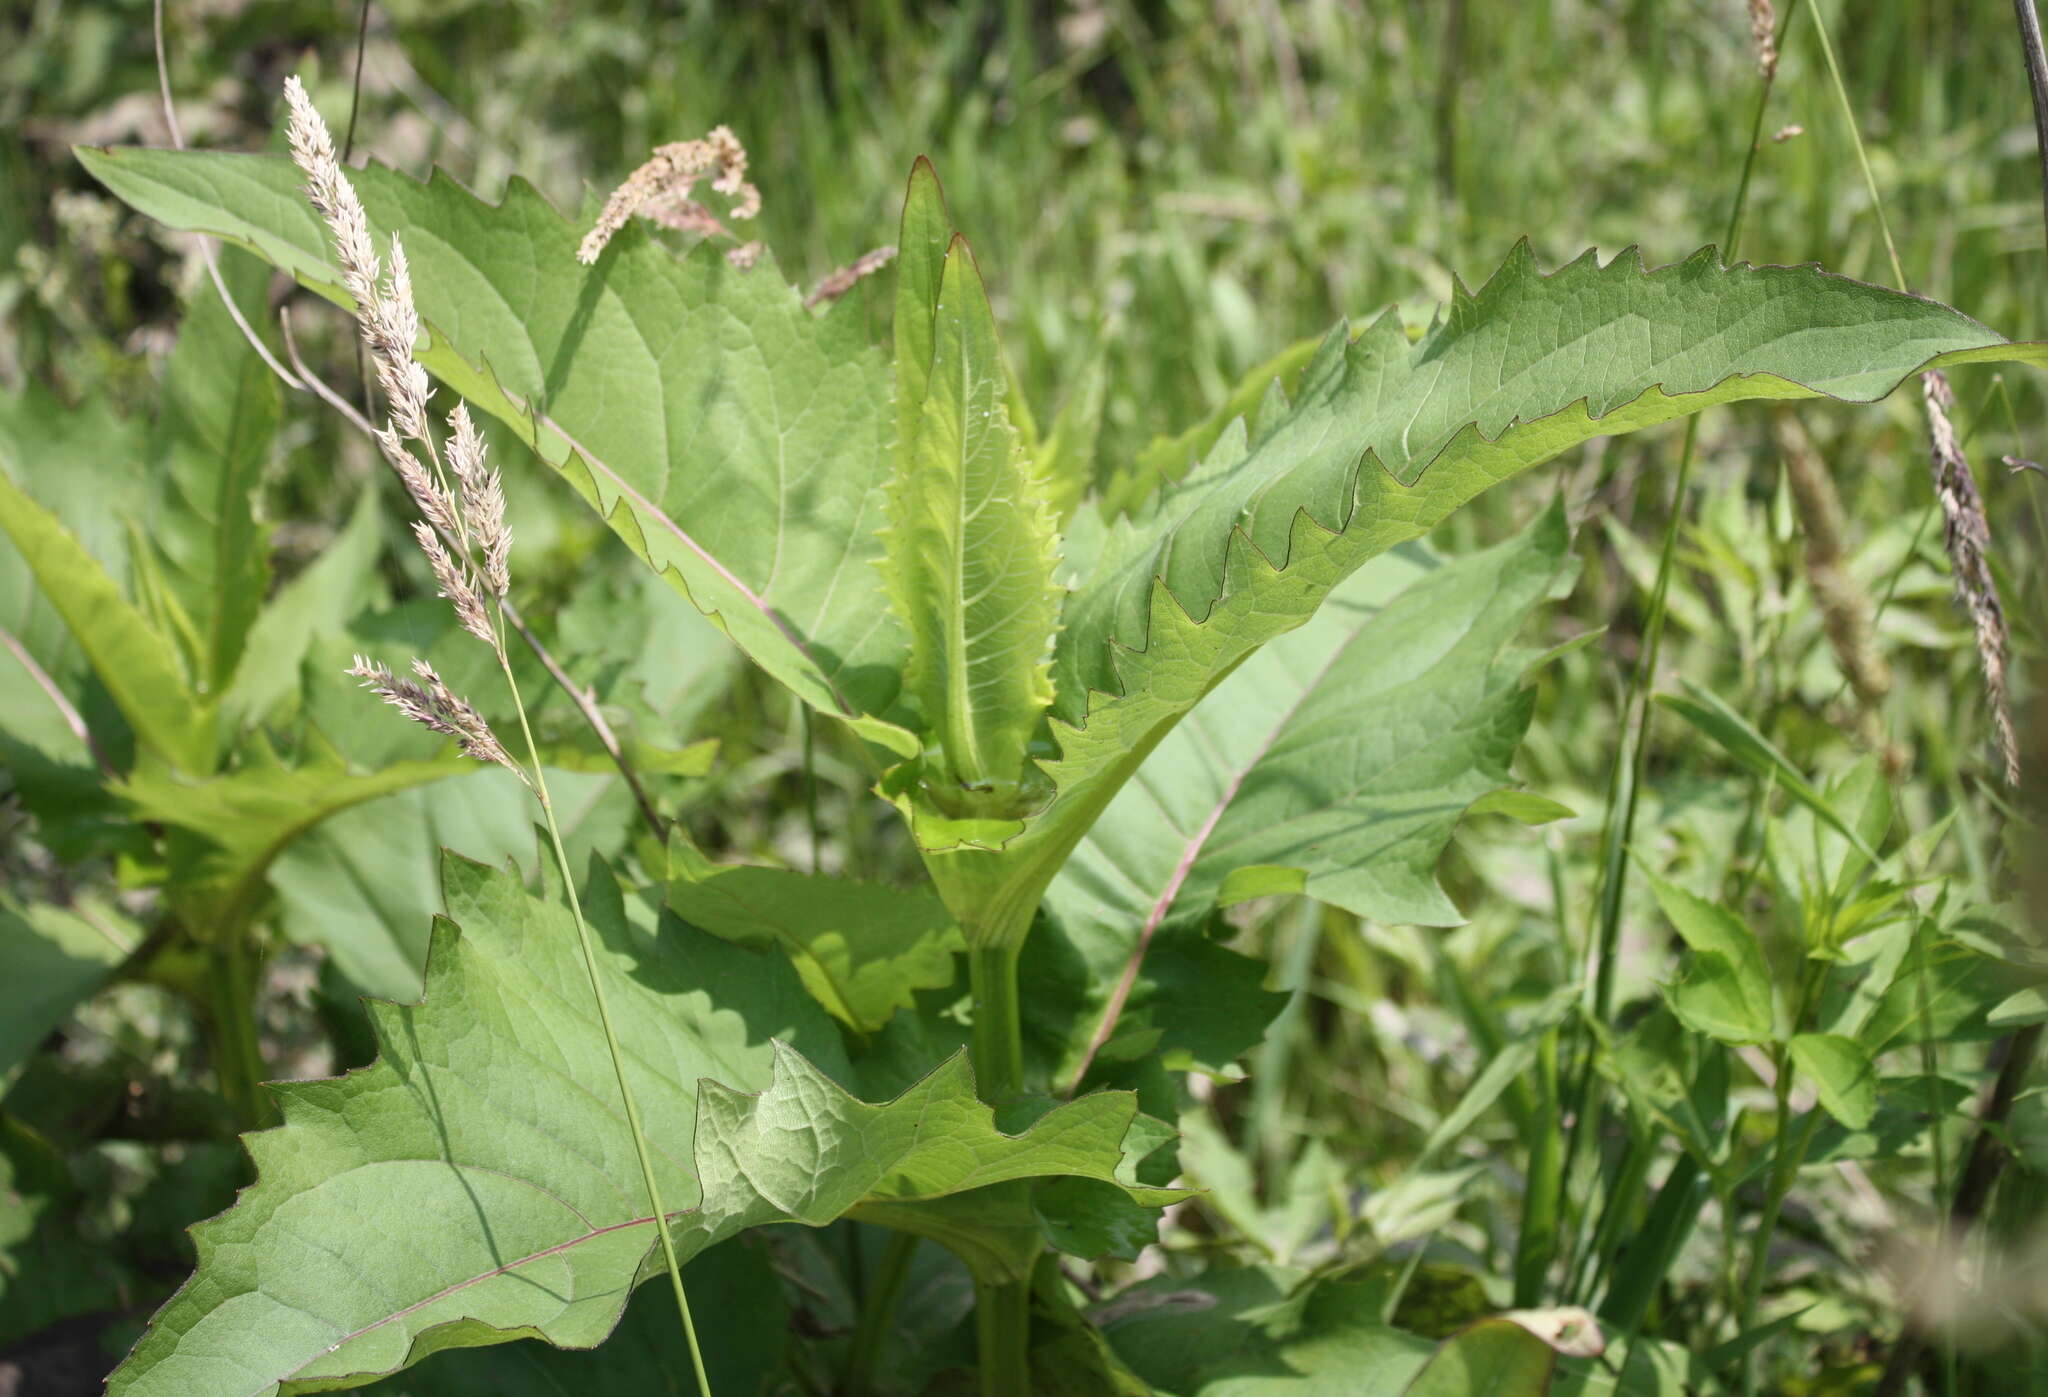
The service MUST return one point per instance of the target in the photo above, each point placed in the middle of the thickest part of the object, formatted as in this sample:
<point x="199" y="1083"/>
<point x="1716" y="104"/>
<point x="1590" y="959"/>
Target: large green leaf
<point x="135" y="663"/>
<point x="214" y="434"/>
<point x="1337" y="762"/>
<point x="862" y="949"/>
<point x="738" y="443"/>
<point x="1385" y="438"/>
<point x="742" y="1318"/>
<point x="970" y="559"/>
<point x="1339" y="759"/>
<point x="487" y="1146"/>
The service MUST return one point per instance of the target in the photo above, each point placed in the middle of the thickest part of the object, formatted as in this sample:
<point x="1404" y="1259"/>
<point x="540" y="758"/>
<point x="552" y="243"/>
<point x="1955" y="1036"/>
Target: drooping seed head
<point x="432" y="501"/>
<point x="1968" y="538"/>
<point x="660" y="189"/>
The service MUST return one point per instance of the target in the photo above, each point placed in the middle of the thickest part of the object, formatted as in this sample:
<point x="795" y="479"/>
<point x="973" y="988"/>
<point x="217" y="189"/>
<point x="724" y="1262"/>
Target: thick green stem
<point x="998" y="1026"/>
<point x="1002" y="1312"/>
<point x="1002" y="1327"/>
<point x="231" y="1017"/>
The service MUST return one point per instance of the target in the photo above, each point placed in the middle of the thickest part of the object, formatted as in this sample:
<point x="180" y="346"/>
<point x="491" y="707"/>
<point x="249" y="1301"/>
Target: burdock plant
<point x="1029" y="675"/>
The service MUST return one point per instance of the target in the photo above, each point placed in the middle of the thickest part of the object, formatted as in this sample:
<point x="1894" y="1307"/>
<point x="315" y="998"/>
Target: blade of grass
<point x="1625" y="774"/>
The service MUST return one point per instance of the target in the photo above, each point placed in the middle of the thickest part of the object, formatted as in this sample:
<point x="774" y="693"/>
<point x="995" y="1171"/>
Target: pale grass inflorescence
<point x="1763" y="35"/>
<point x="660" y="190"/>
<point x="430" y="703"/>
<point x="462" y="531"/>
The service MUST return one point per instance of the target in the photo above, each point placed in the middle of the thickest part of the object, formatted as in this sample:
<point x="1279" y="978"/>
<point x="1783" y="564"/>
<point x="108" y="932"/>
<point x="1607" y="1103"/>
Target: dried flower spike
<point x="660" y="189"/>
<point x="851" y="275"/>
<point x="390" y="323"/>
<point x="433" y="502"/>
<point x="331" y="195"/>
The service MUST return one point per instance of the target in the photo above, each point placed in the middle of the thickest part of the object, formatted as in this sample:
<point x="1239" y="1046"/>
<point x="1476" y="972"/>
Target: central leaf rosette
<point x="970" y="550"/>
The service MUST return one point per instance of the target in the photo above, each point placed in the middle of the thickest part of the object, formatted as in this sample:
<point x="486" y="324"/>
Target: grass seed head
<point x="1763" y="32"/>
<point x="456" y="584"/>
<point x="1968" y="538"/>
<point x="332" y="196"/>
<point x="483" y="500"/>
<point x="433" y="706"/>
<point x="434" y="503"/>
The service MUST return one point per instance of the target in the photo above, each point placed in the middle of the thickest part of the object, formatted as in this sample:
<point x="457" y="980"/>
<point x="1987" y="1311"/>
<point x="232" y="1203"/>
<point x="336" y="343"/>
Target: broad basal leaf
<point x="478" y="1182"/>
<point x="734" y="440"/>
<point x="1385" y="438"/>
<point x="861" y="948"/>
<point x="743" y="1329"/>
<point x="970" y="558"/>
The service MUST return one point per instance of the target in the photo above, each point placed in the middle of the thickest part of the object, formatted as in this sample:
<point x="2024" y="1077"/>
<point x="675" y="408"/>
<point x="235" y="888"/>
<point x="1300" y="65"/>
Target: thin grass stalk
<point x="2016" y="1050"/>
<point x="1630" y="762"/>
<point x="611" y="1038"/>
